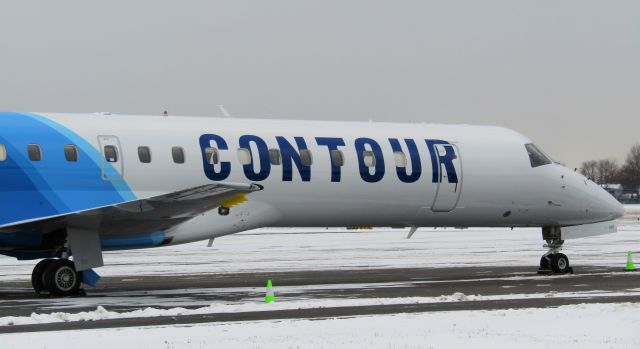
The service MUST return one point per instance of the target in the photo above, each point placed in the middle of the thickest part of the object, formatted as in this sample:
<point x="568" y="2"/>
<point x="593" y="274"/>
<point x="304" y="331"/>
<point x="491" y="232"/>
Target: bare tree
<point x="607" y="170"/>
<point x="589" y="169"/>
<point x="631" y="168"/>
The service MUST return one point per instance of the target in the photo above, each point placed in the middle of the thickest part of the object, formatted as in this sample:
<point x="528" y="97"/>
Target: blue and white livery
<point x="77" y="185"/>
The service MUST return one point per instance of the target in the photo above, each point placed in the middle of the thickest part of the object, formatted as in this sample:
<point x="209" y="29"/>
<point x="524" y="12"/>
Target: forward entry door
<point x="449" y="170"/>
<point x="112" y="162"/>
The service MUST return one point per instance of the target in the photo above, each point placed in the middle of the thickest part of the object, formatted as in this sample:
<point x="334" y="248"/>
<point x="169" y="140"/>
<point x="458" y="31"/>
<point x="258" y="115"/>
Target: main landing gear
<point x="56" y="277"/>
<point x="554" y="262"/>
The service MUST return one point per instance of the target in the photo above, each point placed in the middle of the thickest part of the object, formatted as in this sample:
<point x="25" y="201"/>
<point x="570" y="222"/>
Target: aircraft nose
<point x="617" y="209"/>
<point x="608" y="206"/>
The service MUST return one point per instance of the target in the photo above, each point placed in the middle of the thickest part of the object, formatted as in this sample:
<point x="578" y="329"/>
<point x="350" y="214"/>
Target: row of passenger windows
<point x="306" y="157"/>
<point x="144" y="155"/>
<point x="34" y="152"/>
<point x="111" y="154"/>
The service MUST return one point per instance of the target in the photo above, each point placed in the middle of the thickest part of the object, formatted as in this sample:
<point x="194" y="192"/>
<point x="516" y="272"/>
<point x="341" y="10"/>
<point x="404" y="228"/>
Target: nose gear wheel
<point x="554" y="262"/>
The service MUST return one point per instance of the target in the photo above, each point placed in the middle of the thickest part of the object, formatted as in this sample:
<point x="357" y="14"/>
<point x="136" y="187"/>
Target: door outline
<point x="458" y="186"/>
<point x="111" y="171"/>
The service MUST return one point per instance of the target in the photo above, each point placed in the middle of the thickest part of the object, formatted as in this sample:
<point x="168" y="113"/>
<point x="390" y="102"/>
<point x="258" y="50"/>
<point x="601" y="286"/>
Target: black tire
<point x="37" y="276"/>
<point x="61" y="278"/>
<point x="544" y="262"/>
<point x="560" y="263"/>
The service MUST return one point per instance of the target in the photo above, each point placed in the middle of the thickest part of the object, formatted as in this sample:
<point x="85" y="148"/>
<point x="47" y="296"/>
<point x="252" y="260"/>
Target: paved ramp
<point x="465" y="288"/>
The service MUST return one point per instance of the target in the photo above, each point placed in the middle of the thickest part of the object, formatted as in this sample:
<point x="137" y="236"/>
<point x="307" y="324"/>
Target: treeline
<point x="607" y="171"/>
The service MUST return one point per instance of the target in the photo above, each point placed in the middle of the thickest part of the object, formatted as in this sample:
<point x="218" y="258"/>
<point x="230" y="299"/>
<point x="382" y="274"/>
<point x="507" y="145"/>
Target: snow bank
<point x="574" y="326"/>
<point x="252" y="306"/>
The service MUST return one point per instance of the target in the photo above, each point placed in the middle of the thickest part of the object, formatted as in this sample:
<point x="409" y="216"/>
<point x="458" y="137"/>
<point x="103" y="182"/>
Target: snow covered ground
<point x="575" y="326"/>
<point x="268" y="250"/>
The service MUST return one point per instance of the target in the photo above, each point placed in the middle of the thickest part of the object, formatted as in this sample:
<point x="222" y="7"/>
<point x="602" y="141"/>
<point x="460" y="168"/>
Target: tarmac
<point x="590" y="284"/>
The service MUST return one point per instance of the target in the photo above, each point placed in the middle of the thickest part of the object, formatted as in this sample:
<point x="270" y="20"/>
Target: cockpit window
<point x="536" y="156"/>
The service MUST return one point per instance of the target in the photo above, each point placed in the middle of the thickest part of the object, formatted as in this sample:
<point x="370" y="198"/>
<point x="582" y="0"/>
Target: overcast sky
<point x="564" y="73"/>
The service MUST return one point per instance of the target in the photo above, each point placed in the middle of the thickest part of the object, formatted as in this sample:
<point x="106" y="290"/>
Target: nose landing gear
<point x="557" y="263"/>
<point x="554" y="262"/>
<point x="57" y="277"/>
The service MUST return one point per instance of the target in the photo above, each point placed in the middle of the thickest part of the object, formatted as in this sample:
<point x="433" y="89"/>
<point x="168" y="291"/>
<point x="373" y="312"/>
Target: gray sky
<point x="564" y="73"/>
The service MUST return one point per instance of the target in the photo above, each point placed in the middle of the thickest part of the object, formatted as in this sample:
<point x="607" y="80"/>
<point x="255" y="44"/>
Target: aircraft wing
<point x="156" y="213"/>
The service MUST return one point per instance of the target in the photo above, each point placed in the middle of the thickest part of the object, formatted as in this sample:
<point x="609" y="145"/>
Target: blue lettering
<point x="365" y="173"/>
<point x="290" y="156"/>
<point x="371" y="169"/>
<point x="263" y="155"/>
<point x="209" y="168"/>
<point x="446" y="160"/>
<point x="332" y="144"/>
<point x="416" y="166"/>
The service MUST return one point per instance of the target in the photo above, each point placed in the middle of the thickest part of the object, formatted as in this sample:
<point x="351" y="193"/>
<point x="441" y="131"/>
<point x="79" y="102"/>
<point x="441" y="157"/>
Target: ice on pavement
<point x="572" y="326"/>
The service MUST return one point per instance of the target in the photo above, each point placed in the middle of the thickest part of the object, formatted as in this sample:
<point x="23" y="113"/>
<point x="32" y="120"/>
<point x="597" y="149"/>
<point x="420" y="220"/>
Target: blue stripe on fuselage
<point x="52" y="186"/>
<point x="26" y="245"/>
<point x="151" y="239"/>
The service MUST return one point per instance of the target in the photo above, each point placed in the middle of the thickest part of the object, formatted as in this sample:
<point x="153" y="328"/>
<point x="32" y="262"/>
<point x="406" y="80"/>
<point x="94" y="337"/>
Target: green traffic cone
<point x="630" y="266"/>
<point x="270" y="297"/>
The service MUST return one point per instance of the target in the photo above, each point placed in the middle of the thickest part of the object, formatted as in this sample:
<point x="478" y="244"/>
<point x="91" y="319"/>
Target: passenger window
<point x="3" y="153"/>
<point x="337" y="158"/>
<point x="536" y="156"/>
<point x="244" y="155"/>
<point x="400" y="158"/>
<point x="144" y="154"/>
<point x="275" y="157"/>
<point x="178" y="155"/>
<point x="369" y="158"/>
<point x="213" y="157"/>
<point x="111" y="153"/>
<point x="35" y="153"/>
<point x="305" y="157"/>
<point x="71" y="153"/>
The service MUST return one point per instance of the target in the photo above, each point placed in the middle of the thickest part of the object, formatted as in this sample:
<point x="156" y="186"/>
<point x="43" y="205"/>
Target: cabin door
<point x="449" y="173"/>
<point x="112" y="162"/>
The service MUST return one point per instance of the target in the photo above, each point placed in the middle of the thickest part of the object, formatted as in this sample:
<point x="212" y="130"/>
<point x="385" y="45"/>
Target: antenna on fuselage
<point x="224" y="111"/>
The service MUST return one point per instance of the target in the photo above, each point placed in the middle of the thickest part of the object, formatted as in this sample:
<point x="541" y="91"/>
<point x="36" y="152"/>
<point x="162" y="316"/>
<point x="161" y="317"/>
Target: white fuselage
<point x="497" y="185"/>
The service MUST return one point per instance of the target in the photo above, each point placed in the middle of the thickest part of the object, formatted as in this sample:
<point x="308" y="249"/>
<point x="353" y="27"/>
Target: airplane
<point x="75" y="185"/>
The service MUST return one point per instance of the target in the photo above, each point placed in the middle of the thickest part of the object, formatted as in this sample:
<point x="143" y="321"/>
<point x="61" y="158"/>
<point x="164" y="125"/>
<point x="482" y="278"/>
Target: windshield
<point x="536" y="156"/>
